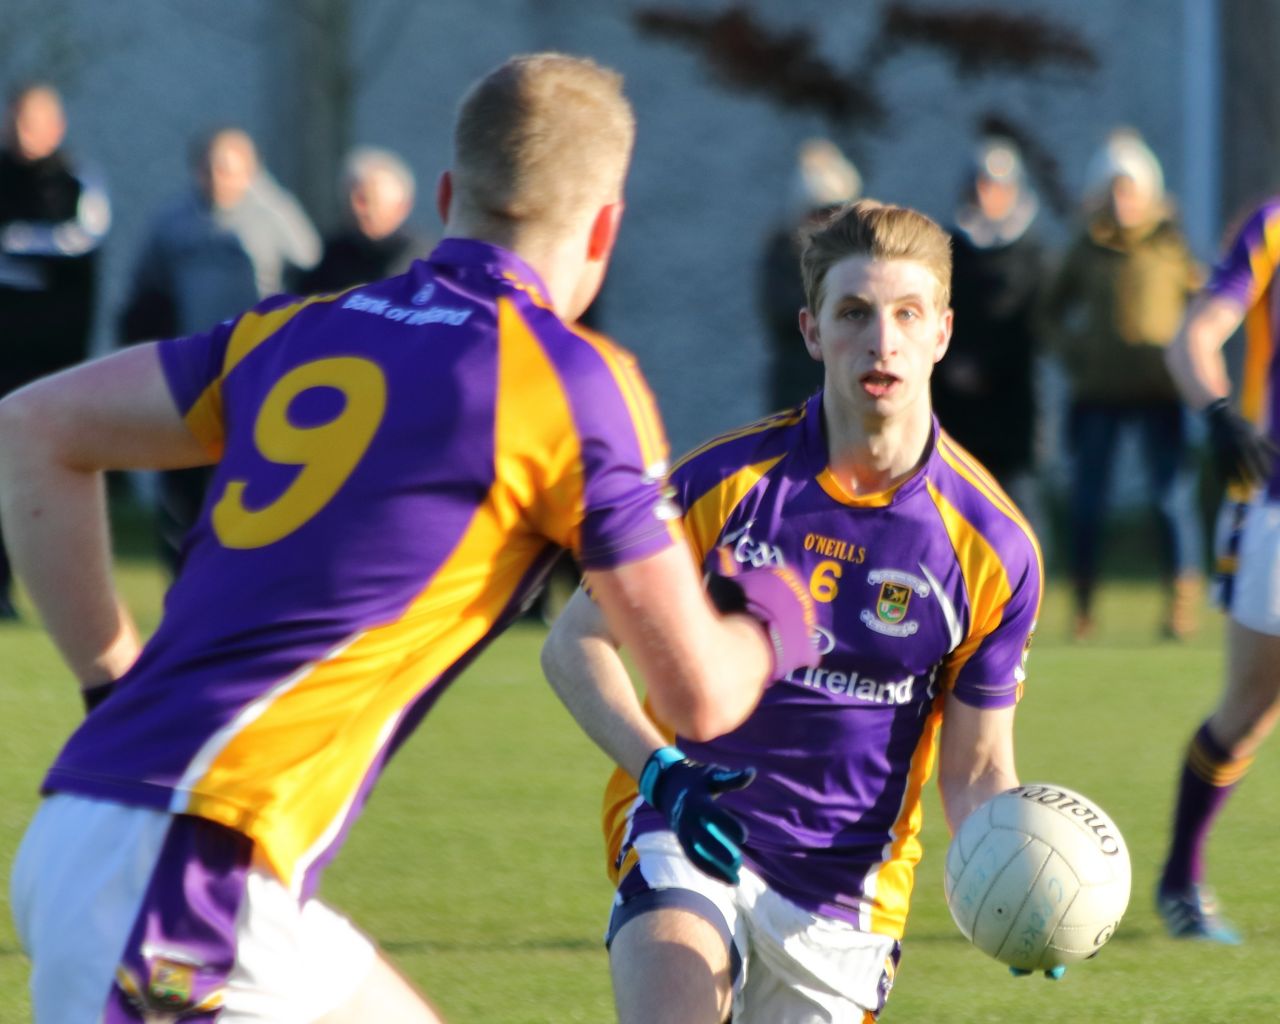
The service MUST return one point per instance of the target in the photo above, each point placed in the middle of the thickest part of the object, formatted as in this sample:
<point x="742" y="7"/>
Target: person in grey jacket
<point x="236" y="237"/>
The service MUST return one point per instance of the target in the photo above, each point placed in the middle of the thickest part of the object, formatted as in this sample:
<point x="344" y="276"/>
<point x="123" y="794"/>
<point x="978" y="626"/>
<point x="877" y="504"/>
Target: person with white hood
<point x="1113" y="307"/>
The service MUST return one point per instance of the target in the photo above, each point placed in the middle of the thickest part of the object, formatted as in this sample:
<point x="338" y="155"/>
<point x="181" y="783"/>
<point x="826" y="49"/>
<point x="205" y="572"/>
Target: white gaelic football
<point x="1038" y="876"/>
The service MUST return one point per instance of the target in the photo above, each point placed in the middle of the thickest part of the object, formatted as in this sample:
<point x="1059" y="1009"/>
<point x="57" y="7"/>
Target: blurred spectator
<point x="53" y="217"/>
<point x="984" y="391"/>
<point x="1114" y="306"/>
<point x="234" y="238"/>
<point x="824" y="179"/>
<point x="376" y="242"/>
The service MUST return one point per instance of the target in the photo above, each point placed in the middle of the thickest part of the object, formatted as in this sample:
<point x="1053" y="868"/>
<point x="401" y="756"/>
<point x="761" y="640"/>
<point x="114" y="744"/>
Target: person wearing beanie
<point x="823" y="179"/>
<point x="1113" y="307"/>
<point x="998" y="272"/>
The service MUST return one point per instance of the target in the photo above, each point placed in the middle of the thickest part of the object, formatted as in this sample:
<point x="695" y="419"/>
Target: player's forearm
<point x="588" y="675"/>
<point x="1194" y="357"/>
<point x="55" y="526"/>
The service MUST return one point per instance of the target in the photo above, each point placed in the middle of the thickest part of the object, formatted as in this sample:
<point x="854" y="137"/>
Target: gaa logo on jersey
<point x="892" y="605"/>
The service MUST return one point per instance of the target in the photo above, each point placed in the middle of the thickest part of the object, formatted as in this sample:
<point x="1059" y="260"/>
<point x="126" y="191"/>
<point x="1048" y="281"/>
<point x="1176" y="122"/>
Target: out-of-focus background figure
<point x="984" y="390"/>
<point x="234" y="237"/>
<point x="53" y="217"/>
<point x="1114" y="306"/>
<point x="824" y="178"/>
<point x="376" y="241"/>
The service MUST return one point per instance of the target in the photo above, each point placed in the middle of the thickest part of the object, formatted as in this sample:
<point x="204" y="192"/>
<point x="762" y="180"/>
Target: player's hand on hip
<point x="685" y="792"/>
<point x="776" y="598"/>
<point x="1242" y="453"/>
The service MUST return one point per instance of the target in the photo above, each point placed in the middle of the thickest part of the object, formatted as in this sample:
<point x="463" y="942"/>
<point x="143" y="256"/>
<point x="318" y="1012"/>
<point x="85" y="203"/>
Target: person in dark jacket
<point x="376" y="242"/>
<point x="53" y="218"/>
<point x="984" y="392"/>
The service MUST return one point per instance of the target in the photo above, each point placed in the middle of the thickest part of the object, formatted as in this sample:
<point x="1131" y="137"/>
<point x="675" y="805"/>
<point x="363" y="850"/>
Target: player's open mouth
<point x="878" y="384"/>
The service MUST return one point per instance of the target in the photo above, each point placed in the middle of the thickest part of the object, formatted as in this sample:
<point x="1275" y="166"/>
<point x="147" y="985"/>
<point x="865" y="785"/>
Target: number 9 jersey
<point x="397" y="466"/>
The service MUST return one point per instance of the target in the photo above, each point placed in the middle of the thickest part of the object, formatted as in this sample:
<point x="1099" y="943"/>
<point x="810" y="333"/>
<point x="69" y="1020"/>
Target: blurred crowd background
<point x="187" y="158"/>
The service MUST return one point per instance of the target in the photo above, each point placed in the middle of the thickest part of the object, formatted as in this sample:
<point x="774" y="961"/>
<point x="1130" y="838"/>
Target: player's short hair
<point x="880" y="231"/>
<point x="539" y="140"/>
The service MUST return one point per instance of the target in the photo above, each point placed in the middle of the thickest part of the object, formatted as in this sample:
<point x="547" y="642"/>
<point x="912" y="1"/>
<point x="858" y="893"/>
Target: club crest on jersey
<point x="892" y="602"/>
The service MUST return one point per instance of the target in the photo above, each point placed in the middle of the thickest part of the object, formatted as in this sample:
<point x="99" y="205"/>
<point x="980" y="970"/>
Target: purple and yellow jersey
<point x="398" y="466"/>
<point x="930" y="588"/>
<point x="1246" y="274"/>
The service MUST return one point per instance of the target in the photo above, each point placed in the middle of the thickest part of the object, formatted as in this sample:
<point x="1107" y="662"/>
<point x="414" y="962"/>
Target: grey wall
<point x="712" y="169"/>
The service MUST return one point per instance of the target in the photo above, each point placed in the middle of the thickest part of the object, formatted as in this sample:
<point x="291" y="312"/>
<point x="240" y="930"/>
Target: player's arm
<point x="975" y="758"/>
<point x="1194" y="357"/>
<point x="703" y="671"/>
<point x="56" y="437"/>
<point x="582" y="662"/>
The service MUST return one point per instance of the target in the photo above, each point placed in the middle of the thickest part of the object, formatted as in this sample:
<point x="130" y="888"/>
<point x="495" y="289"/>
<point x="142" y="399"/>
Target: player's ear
<point x="444" y="196"/>
<point x="809" y="330"/>
<point x="944" y="334"/>
<point x="604" y="231"/>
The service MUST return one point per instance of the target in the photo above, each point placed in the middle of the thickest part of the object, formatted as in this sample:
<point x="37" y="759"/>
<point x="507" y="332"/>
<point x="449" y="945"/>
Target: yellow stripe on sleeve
<point x="254" y="328"/>
<point x="204" y="419"/>
<point x="706" y="518"/>
<point x="639" y="400"/>
<point x="985" y="580"/>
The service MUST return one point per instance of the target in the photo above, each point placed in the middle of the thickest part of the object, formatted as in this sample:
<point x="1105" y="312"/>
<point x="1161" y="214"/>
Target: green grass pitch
<point x="478" y="866"/>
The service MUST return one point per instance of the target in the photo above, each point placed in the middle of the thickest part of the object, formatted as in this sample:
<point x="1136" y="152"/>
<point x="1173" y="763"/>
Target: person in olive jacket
<point x="1114" y="305"/>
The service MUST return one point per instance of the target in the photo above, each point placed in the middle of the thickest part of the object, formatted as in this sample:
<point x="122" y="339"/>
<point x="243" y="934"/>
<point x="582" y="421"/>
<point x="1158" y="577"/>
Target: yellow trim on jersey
<point x="1258" y="345"/>
<point x="704" y="520"/>
<point x="895" y="876"/>
<point x="837" y="491"/>
<point x="204" y="420"/>
<point x="639" y="399"/>
<point x="785" y="418"/>
<point x="963" y="462"/>
<point x="985" y="581"/>
<point x="529" y="392"/>
<point x="254" y="328"/>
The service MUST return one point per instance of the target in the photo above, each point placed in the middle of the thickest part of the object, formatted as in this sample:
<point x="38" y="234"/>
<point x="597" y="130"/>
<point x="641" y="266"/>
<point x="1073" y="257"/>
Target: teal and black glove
<point x="1053" y="973"/>
<point x="684" y="792"/>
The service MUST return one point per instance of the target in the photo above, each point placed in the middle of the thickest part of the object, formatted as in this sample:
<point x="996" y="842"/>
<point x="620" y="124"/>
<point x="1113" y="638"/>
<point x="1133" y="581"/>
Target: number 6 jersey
<point x="932" y="587"/>
<point x="398" y="466"/>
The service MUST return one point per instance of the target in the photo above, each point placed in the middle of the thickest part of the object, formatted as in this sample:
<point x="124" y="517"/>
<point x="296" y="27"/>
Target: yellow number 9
<point x="327" y="454"/>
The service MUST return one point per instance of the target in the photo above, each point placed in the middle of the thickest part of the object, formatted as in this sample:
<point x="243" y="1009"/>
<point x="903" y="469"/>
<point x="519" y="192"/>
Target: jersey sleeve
<point x="1249" y="262"/>
<point x="193" y="368"/>
<point x="628" y="511"/>
<point x="994" y="672"/>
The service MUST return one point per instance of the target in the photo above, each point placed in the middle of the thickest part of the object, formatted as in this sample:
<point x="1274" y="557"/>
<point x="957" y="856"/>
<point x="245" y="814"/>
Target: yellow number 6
<point x="822" y="583"/>
<point x="327" y="454"/>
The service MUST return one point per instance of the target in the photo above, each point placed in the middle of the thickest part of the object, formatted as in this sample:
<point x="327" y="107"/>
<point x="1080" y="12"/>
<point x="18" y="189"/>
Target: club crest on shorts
<point x="172" y="983"/>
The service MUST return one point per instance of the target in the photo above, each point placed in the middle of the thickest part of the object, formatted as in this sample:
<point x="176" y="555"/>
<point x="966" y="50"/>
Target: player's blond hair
<point x="880" y="231"/>
<point x="539" y="141"/>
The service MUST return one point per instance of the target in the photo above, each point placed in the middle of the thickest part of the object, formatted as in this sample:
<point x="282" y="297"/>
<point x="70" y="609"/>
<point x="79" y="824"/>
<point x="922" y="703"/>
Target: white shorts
<point x="1254" y="593"/>
<point x="79" y="881"/>
<point x="796" y="965"/>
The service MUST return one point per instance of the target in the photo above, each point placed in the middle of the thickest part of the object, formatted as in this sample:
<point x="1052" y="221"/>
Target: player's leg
<point x="1221" y="752"/>
<point x="674" y="956"/>
<point x="670" y="966"/>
